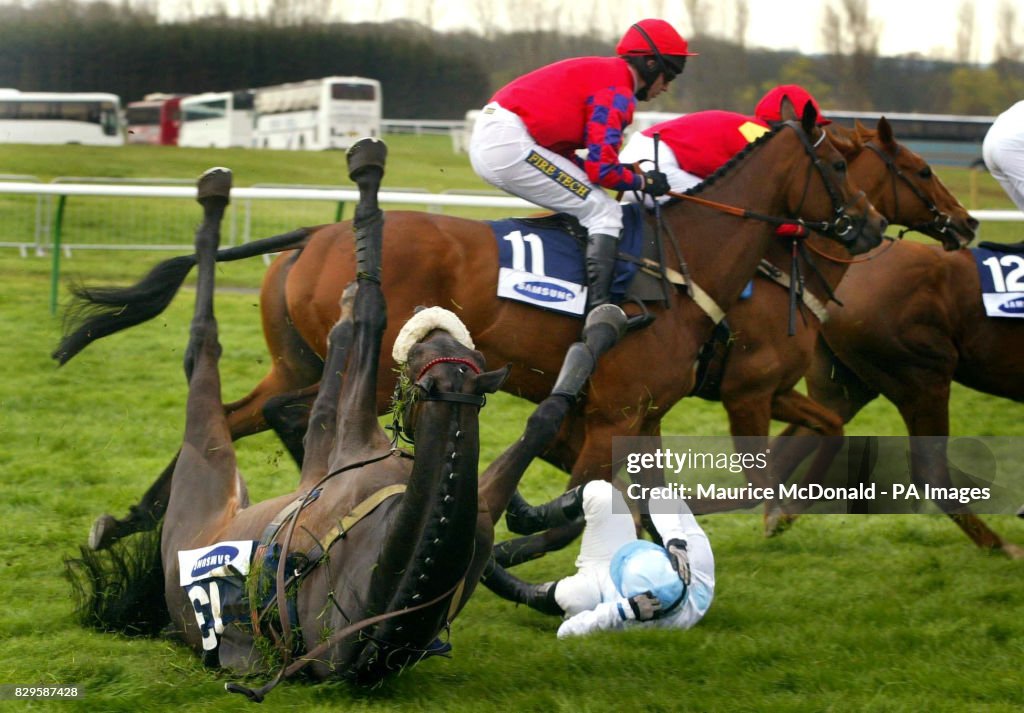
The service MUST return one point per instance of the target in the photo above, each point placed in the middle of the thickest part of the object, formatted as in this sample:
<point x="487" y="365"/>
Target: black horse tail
<point x="97" y="312"/>
<point x="121" y="589"/>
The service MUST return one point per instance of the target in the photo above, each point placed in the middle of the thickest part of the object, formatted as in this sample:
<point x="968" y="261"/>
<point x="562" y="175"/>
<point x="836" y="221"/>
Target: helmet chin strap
<point x="662" y="63"/>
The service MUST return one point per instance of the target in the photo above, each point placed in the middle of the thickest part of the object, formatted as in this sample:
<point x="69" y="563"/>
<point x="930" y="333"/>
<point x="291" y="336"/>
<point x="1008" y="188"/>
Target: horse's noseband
<point x="843" y="227"/>
<point x="432" y="394"/>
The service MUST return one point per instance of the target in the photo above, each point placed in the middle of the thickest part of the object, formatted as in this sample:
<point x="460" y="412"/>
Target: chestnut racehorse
<point x="792" y="173"/>
<point x="938" y="333"/>
<point x="763" y="363"/>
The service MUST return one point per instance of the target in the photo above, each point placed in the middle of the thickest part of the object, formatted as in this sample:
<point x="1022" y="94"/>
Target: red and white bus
<point x="155" y="120"/>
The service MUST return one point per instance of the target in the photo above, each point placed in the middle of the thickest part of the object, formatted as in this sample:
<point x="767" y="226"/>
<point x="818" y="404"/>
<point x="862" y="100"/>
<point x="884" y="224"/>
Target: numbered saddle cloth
<point x="1001" y="271"/>
<point x="541" y="260"/>
<point x="214" y="579"/>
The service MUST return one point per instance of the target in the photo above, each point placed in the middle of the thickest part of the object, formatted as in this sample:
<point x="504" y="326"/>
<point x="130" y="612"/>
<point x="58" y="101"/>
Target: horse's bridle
<point x="842" y="224"/>
<point x="407" y="394"/>
<point x="941" y="222"/>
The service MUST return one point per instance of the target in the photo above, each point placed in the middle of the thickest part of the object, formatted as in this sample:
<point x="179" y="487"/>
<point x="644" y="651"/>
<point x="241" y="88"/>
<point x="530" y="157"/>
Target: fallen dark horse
<point x="382" y="548"/>
<point x="357" y="571"/>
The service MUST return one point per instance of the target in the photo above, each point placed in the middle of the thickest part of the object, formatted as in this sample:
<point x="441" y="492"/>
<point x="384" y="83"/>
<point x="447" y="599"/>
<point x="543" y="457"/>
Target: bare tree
<point x="1007" y="47"/>
<point x="697" y="10"/>
<point x="742" y="22"/>
<point x="485" y="14"/>
<point x="851" y="36"/>
<point x="965" y="32"/>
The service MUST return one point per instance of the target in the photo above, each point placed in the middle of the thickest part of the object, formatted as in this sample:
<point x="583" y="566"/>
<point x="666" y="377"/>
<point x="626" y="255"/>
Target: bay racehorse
<point x="939" y="333"/>
<point x="791" y="175"/>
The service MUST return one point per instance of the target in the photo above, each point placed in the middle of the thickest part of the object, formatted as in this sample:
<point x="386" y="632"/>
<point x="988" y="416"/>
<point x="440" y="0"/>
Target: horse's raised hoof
<point x="214" y="183"/>
<point x="103" y="533"/>
<point x="364" y="154"/>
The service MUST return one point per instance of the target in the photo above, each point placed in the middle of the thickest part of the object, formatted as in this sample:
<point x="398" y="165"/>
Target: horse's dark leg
<point x="322" y="418"/>
<point x="206" y="487"/>
<point x="506" y="585"/>
<point x="510" y="553"/>
<point x="145" y="515"/>
<point x="288" y="415"/>
<point x="294" y="373"/>
<point x="498" y="483"/>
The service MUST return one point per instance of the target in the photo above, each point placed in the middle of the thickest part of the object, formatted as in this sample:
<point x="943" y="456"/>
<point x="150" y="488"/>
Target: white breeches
<point x="504" y="154"/>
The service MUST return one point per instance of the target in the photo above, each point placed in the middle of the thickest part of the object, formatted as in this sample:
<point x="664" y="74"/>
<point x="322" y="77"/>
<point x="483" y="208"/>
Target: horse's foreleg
<point x="927" y="421"/>
<point x="498" y="483"/>
<point x="322" y="419"/>
<point x="794" y="408"/>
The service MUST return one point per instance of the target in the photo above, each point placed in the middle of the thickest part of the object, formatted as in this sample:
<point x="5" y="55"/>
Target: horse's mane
<point x="850" y="142"/>
<point x="731" y="163"/>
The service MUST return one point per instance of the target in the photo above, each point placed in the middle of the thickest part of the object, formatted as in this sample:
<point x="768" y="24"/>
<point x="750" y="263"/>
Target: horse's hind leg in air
<point x="280" y="401"/>
<point x="206" y="487"/>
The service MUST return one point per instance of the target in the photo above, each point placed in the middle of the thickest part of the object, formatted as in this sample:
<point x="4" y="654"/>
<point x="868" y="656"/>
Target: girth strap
<point x="356" y="514"/>
<point x="781" y="277"/>
<point x="705" y="301"/>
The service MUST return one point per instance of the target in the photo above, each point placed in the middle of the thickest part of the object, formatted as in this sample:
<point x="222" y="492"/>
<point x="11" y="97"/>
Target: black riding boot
<point x="507" y="586"/>
<point x="525" y="519"/>
<point x="601" y="251"/>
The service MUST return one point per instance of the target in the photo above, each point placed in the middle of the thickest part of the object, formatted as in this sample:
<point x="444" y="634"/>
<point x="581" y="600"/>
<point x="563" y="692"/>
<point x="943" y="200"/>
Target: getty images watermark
<point x="851" y="474"/>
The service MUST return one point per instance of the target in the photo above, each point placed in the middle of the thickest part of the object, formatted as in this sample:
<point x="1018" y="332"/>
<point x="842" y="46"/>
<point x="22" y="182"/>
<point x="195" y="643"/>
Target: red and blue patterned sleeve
<point x="609" y="113"/>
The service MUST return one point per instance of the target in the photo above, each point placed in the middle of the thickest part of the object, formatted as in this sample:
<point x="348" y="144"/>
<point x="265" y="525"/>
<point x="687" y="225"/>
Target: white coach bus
<point x="217" y="120"/>
<point x="60" y="118"/>
<point x="328" y="113"/>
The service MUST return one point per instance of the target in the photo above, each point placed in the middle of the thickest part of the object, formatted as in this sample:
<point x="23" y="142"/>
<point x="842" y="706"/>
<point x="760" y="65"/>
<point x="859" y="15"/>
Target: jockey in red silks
<point x="526" y="138"/>
<point x="694" y="146"/>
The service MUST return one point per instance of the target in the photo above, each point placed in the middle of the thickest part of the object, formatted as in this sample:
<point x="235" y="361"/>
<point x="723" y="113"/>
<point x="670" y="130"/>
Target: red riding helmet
<point x="769" y="109"/>
<point x="652" y="37"/>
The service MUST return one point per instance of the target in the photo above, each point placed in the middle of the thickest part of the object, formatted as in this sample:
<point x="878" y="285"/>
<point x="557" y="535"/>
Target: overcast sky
<point x="927" y="27"/>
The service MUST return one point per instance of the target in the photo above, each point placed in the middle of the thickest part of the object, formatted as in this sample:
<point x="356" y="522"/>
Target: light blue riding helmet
<point x="641" y="566"/>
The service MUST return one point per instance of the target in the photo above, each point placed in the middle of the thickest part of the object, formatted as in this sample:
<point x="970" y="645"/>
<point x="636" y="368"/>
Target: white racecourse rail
<point x="431" y="200"/>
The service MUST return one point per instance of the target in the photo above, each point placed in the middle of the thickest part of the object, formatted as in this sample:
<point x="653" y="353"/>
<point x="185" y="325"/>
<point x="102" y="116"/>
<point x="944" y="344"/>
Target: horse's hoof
<point x="1014" y="552"/>
<point x="365" y="154"/>
<point x="214" y="183"/>
<point x="776" y="522"/>
<point x="103" y="533"/>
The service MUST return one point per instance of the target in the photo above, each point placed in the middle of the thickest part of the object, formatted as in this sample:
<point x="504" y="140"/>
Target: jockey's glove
<point x="655" y="183"/>
<point x="680" y="559"/>
<point x="642" y="607"/>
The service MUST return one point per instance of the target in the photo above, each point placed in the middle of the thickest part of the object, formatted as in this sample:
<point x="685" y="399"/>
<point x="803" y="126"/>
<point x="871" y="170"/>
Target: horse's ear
<point x="490" y="381"/>
<point x="809" y="118"/>
<point x="885" y="134"/>
<point x="843" y="140"/>
<point x="786" y="110"/>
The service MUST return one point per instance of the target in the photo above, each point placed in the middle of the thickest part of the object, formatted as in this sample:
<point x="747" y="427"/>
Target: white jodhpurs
<point x="504" y="154"/>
